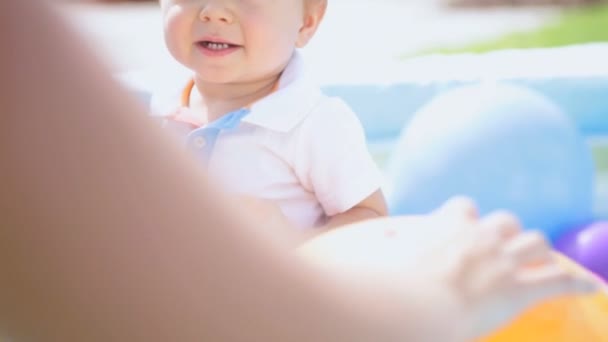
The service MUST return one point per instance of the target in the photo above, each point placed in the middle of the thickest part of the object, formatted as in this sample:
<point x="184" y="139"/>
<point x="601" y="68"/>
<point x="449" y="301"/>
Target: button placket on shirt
<point x="202" y="140"/>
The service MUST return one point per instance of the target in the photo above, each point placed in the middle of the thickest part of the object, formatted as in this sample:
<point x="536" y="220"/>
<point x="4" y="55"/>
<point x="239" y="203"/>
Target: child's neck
<point x="214" y="100"/>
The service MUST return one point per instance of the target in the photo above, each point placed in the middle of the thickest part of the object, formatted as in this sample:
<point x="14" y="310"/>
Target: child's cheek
<point x="176" y="30"/>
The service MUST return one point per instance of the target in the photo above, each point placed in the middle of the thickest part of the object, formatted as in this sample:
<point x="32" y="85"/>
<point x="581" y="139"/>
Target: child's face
<point x="226" y="41"/>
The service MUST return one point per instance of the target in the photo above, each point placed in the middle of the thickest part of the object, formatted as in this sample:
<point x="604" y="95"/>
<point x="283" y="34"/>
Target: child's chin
<point x="213" y="76"/>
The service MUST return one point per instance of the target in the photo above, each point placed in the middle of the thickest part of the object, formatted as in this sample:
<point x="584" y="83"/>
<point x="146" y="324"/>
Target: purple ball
<point x="588" y="245"/>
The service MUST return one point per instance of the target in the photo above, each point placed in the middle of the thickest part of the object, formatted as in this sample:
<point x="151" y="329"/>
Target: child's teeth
<point x="217" y="46"/>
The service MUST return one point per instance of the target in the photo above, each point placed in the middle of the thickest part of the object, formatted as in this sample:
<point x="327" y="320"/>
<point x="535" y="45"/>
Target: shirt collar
<point x="295" y="97"/>
<point x="284" y="108"/>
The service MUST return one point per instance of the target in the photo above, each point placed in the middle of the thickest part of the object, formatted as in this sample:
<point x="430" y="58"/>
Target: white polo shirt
<point x="302" y="150"/>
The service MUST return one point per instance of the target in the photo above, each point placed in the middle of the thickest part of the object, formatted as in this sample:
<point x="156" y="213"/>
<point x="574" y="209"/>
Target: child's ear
<point x="313" y="15"/>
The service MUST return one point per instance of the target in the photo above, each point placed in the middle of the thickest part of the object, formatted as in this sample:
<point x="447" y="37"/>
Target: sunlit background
<point x="384" y="41"/>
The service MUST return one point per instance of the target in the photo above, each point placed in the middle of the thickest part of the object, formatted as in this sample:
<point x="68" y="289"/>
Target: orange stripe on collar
<point x="185" y="99"/>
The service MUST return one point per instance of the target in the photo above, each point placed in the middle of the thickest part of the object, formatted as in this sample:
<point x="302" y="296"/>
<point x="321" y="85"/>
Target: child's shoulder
<point x="331" y="111"/>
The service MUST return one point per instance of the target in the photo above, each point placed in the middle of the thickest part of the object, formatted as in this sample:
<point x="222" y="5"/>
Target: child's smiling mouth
<point x="215" y="47"/>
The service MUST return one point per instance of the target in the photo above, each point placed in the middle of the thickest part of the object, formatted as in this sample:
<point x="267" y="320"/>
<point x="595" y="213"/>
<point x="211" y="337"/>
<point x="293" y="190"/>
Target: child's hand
<point x="476" y="273"/>
<point x="497" y="271"/>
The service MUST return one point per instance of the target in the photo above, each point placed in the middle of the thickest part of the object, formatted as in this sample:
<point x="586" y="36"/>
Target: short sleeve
<point x="332" y="159"/>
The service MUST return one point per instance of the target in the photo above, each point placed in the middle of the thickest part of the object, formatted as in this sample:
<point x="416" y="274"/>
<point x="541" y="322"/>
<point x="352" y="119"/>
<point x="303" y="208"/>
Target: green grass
<point x="600" y="155"/>
<point x="574" y="26"/>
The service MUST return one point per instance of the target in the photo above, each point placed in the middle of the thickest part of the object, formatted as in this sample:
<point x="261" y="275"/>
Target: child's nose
<point x="215" y="11"/>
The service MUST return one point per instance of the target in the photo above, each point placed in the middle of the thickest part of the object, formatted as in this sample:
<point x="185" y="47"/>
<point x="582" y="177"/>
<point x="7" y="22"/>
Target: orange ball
<point x="565" y="319"/>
